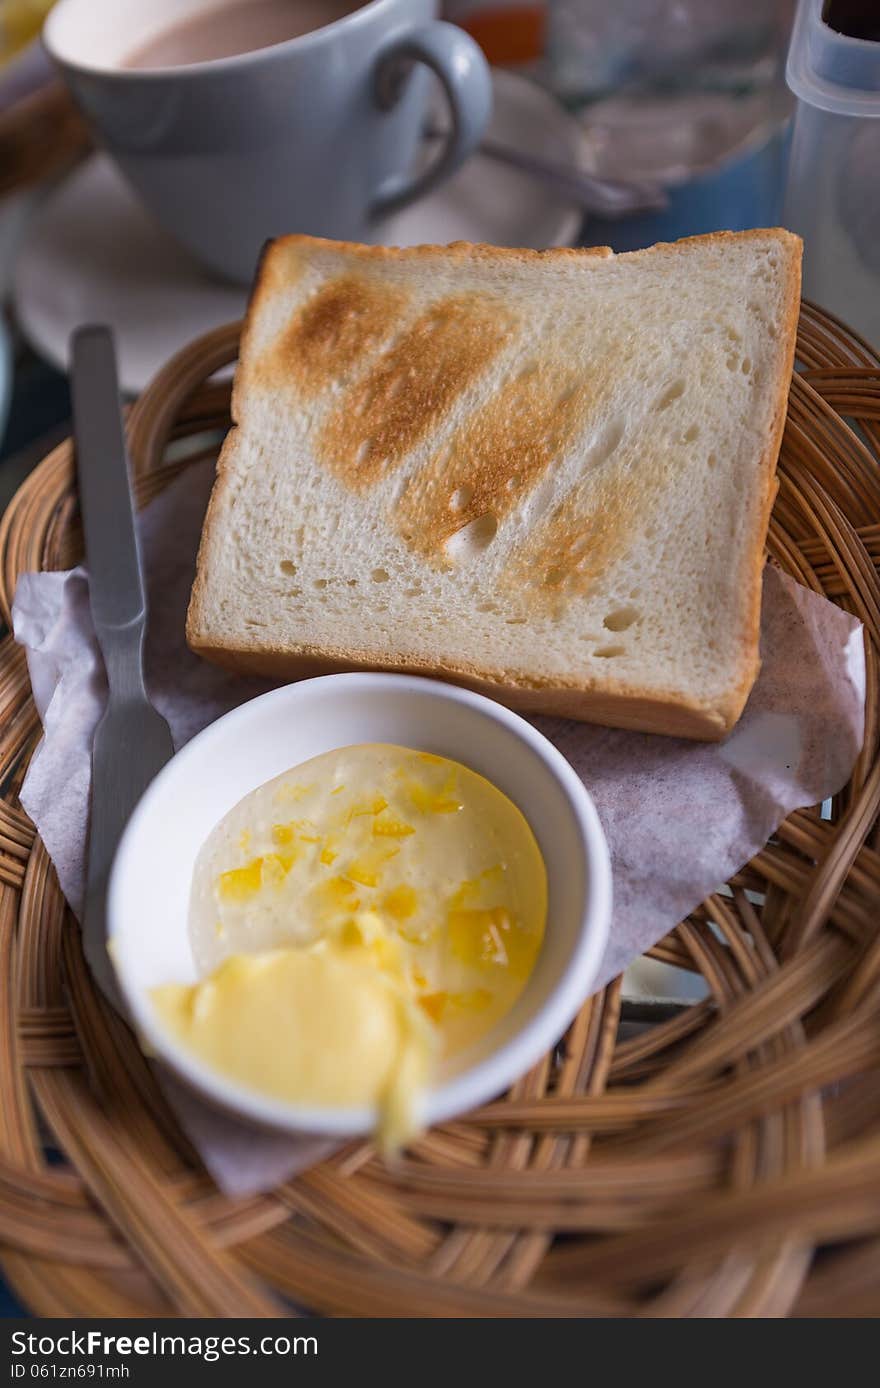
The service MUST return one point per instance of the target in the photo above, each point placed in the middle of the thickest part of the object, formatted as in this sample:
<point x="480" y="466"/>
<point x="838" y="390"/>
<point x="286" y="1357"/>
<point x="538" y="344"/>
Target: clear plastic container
<point x="833" y="190"/>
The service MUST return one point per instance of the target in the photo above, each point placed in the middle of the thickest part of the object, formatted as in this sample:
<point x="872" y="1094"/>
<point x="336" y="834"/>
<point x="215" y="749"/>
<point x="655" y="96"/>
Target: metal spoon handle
<point x="604" y="197"/>
<point x="607" y="197"/>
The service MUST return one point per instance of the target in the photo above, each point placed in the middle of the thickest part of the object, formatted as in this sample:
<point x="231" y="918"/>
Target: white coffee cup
<point x="316" y="134"/>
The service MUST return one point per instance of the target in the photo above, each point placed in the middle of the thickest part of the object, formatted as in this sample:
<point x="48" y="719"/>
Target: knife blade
<point x="132" y="741"/>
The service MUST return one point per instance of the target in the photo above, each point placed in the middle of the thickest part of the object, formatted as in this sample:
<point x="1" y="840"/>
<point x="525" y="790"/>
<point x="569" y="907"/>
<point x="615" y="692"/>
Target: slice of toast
<point x="547" y="475"/>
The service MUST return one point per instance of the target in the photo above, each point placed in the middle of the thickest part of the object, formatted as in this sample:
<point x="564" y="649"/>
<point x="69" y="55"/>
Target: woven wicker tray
<point x="725" y="1162"/>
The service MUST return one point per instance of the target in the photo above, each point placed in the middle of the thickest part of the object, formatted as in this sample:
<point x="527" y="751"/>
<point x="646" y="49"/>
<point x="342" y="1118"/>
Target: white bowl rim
<point x="461" y="1093"/>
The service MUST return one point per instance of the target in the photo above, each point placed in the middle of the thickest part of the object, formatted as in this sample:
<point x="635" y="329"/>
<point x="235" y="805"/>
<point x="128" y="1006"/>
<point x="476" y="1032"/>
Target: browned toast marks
<point x="333" y="332"/>
<point x="417" y="379"/>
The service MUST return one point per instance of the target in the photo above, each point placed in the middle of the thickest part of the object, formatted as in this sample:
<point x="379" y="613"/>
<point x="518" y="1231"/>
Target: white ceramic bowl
<point x="150" y="881"/>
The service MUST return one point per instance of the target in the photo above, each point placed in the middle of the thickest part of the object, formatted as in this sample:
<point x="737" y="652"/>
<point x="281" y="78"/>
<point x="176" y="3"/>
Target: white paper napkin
<point x="680" y="817"/>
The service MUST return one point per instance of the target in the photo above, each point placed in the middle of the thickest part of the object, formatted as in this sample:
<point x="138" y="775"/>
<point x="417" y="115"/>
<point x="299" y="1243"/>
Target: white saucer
<point x="95" y="255"/>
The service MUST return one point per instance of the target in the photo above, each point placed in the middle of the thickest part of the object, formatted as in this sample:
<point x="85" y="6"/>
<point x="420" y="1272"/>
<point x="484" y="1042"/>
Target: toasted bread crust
<point x="607" y="701"/>
<point x="624" y="708"/>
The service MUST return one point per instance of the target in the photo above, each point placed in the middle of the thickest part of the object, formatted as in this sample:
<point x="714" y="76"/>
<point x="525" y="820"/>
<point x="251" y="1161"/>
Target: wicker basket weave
<point x="724" y="1163"/>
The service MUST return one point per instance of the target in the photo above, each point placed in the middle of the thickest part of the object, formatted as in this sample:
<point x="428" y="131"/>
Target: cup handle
<point x="464" y="73"/>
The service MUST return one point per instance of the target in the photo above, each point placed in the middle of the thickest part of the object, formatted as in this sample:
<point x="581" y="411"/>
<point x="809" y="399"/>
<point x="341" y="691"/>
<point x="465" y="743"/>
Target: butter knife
<point x="132" y="741"/>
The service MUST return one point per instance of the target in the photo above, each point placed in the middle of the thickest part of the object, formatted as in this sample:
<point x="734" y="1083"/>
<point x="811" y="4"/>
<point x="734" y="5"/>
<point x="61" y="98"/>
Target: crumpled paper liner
<point x="681" y="817"/>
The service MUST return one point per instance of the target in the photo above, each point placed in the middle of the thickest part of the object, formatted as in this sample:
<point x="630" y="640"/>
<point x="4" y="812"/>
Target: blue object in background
<point x="9" y="1307"/>
<point x="743" y="191"/>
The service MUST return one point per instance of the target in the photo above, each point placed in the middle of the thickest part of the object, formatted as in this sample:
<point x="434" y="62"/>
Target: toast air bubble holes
<point x="473" y="538"/>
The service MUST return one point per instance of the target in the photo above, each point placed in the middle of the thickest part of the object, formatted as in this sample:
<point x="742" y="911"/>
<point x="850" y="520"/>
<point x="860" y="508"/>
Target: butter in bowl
<point x="362" y="903"/>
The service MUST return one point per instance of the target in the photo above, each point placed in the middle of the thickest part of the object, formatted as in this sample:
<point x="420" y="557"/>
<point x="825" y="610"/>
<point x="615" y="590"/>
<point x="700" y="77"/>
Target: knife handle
<point x="116" y="590"/>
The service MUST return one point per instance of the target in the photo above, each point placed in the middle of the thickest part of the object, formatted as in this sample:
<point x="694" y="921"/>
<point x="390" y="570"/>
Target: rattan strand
<point x="725" y="1162"/>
